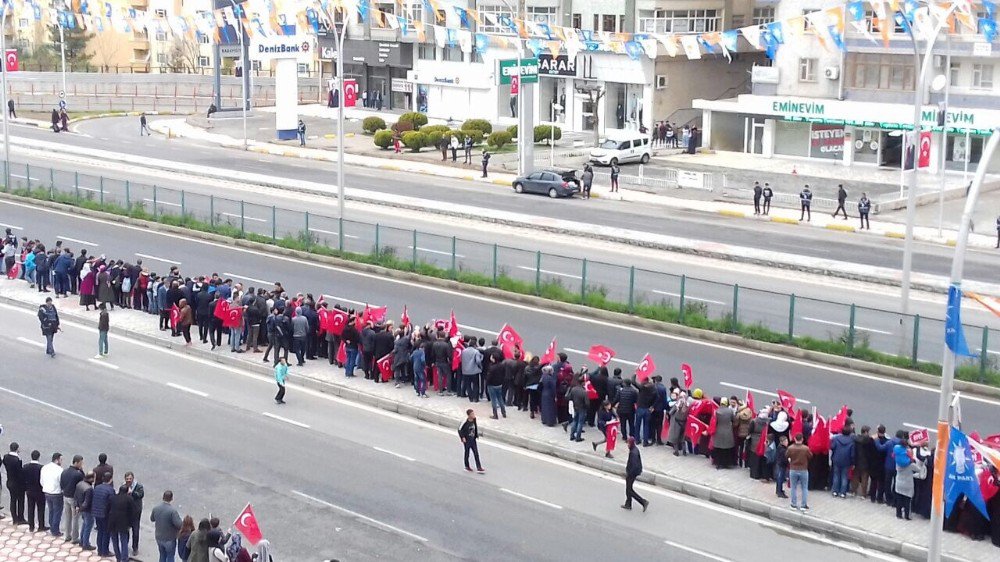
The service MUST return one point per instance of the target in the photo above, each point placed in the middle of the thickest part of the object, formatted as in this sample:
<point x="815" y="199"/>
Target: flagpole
<point x="948" y="363"/>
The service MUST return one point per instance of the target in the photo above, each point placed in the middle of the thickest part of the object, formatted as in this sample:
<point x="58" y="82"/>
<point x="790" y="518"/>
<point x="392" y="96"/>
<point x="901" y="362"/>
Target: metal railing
<point x="755" y="313"/>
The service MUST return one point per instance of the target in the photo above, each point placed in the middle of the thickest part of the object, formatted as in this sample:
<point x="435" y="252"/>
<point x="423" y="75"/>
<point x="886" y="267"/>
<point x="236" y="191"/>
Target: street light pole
<point x="948" y="364"/>
<point x="243" y="81"/>
<point x="6" y="136"/>
<point x="62" y="55"/>
<point x="341" y="33"/>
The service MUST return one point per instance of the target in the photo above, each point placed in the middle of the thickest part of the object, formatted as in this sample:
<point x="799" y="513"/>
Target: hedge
<point x="383" y="138"/>
<point x="499" y="139"/>
<point x="414" y="140"/>
<point x="478" y="125"/>
<point x="414" y="118"/>
<point x="372" y="124"/>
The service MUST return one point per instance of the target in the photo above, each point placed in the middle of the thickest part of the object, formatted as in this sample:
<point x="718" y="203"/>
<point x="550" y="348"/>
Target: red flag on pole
<point x="600" y="354"/>
<point x="246" y="524"/>
<point x="819" y="441"/>
<point x="404" y="318"/>
<point x="787" y="400"/>
<point x="509" y="336"/>
<point x="611" y="434"/>
<point x="700" y="406"/>
<point x="452" y="325"/>
<point x="234" y="317"/>
<point x="324" y="319"/>
<point x="342" y="353"/>
<point x="992" y="441"/>
<point x="645" y="369"/>
<point x="688" y="375"/>
<point x="837" y="422"/>
<point x="762" y="444"/>
<point x="695" y="428"/>
<point x="550" y="353"/>
<point x="749" y="402"/>
<point x="797" y="424"/>
<point x="175" y="317"/>
<point x="221" y="309"/>
<point x="377" y="314"/>
<point x="456" y="355"/>
<point x="336" y="321"/>
<point x="385" y="367"/>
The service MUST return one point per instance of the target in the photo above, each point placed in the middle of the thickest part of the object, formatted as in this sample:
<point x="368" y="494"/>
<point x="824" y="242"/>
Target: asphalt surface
<point x="718" y="369"/>
<point x="329" y="479"/>
<point x="120" y="134"/>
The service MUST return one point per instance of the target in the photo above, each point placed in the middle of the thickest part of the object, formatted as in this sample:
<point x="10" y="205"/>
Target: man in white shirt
<point x="51" y="474"/>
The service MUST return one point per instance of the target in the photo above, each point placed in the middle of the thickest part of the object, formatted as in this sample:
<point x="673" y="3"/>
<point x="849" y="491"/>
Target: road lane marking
<point x="11" y="226"/>
<point x="513" y="306"/>
<point x="759" y="391"/>
<point x="90" y="189"/>
<point x="352" y="301"/>
<point x="376" y="522"/>
<point x="924" y="427"/>
<point x="688" y="297"/>
<point x="245" y="278"/>
<point x="475" y="329"/>
<point x="701" y="553"/>
<point x="54" y="407"/>
<point x="187" y="389"/>
<point x="30" y="342"/>
<point x="155" y="258"/>
<point x="78" y="241"/>
<point x="615" y="359"/>
<point x="25" y="177"/>
<point x="838" y="324"/>
<point x="161" y="202"/>
<point x="286" y="420"/>
<point x="244" y="217"/>
<point x="530" y="499"/>
<point x="331" y="233"/>
<point x="103" y="363"/>
<point x="388" y="452"/>
<point x="548" y="272"/>
<point x="430" y="251"/>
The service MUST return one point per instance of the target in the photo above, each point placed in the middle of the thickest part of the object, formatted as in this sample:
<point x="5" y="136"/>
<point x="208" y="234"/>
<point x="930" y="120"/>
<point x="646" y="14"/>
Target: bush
<point x="414" y="118"/>
<point x="383" y="138"/>
<point x="402" y="126"/>
<point x="428" y="129"/>
<point x="513" y="131"/>
<point x="475" y="134"/>
<point x="498" y="139"/>
<point x="414" y="140"/>
<point x="544" y="133"/>
<point x="433" y="137"/>
<point x="478" y="125"/>
<point x="372" y="124"/>
<point x="460" y="135"/>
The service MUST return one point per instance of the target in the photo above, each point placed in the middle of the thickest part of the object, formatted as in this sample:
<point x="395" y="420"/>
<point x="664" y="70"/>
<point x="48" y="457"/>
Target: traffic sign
<point x="10" y="60"/>
<point x="62" y="95"/>
<point x="528" y="71"/>
<point x="62" y="104"/>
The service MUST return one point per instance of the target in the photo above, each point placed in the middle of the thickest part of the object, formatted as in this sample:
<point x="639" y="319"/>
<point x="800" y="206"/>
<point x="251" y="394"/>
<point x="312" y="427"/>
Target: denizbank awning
<point x="859" y="114"/>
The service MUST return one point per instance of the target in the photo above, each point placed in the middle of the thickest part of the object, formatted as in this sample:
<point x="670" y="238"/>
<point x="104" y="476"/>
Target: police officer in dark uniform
<point x="865" y="205"/>
<point x="757" y="191"/>
<point x="767" y="193"/>
<point x="805" y="198"/>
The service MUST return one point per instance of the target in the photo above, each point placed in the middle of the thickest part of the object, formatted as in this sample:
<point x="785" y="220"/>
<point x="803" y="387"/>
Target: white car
<point x="621" y="149"/>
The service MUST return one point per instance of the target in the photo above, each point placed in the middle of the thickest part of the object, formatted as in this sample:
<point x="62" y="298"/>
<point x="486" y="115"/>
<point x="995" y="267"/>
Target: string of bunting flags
<point x="458" y="26"/>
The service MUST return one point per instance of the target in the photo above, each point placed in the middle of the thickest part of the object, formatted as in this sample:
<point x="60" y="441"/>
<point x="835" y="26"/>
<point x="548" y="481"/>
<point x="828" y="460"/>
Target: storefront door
<point x="753" y="138"/>
<point x="892" y="144"/>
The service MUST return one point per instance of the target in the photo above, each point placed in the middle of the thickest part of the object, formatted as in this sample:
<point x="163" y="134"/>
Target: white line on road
<point x="615" y="359"/>
<point x="188" y="390"/>
<point x="10" y="226"/>
<point x="688" y="297"/>
<point x="430" y="251"/>
<point x="155" y="258"/>
<point x="915" y="426"/>
<point x="245" y="217"/>
<point x="84" y="242"/>
<point x="30" y="342"/>
<point x="331" y="233"/>
<point x="25" y="177"/>
<point x="245" y="278"/>
<point x="856" y="327"/>
<point x="161" y="202"/>
<point x="53" y="406"/>
<point x="375" y="522"/>
<point x="91" y="189"/>
<point x="475" y="329"/>
<point x="388" y="452"/>
<point x="342" y="299"/>
<point x="701" y="553"/>
<point x="548" y="272"/>
<point x="286" y="420"/>
<point x="759" y="391"/>
<point x="530" y="499"/>
<point x="103" y="363"/>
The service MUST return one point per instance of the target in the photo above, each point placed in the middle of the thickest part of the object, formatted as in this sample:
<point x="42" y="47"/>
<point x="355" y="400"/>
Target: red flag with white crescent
<point x="589" y="387"/>
<point x="645" y="369"/>
<point x="749" y="402"/>
<point x="221" y="309"/>
<point x="509" y="336"/>
<point x="342" y="353"/>
<point x="508" y="350"/>
<point x="987" y="485"/>
<point x="404" y="318"/>
<point x="175" y="317"/>
<point x="550" y="353"/>
<point x="917" y="436"/>
<point x="992" y="441"/>
<point x="324" y="319"/>
<point x="798" y="424"/>
<point x="787" y="400"/>
<point x="452" y="325"/>
<point x="688" y="375"/>
<point x="456" y="355"/>
<point x="377" y="314"/>
<point x="695" y="428"/>
<point x="819" y="441"/>
<point x="385" y="367"/>
<point x="600" y="354"/>
<point x="336" y="321"/>
<point x="246" y="524"/>
<point x="704" y="405"/>
<point x="762" y="444"/>
<point x="611" y="434"/>
<point x="234" y="317"/>
<point x="837" y="422"/>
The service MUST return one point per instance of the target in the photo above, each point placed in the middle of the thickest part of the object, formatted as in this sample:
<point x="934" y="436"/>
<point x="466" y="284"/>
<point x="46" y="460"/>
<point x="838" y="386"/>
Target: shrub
<point x="433" y="137"/>
<point x="372" y="124"/>
<point x="544" y="133"/>
<point x="428" y="129"/>
<point x="513" y="131"/>
<point x="383" y="139"/>
<point x="475" y="134"/>
<point x="414" y="118"/>
<point x="414" y="140"/>
<point x="478" y="125"/>
<point x="460" y="135"/>
<point x="499" y="139"/>
<point x="402" y="126"/>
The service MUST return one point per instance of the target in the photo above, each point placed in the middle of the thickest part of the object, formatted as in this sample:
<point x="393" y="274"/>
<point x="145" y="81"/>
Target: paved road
<point x="719" y="369"/>
<point x="119" y="134"/>
<point x="329" y="479"/>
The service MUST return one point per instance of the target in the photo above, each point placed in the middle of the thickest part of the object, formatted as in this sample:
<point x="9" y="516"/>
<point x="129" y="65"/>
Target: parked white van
<point x="622" y="147"/>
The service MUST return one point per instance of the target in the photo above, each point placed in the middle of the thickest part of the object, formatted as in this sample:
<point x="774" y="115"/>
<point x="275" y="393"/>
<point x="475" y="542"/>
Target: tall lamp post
<point x="6" y="136"/>
<point x="243" y="81"/>
<point x="556" y="108"/>
<point x="341" y="33"/>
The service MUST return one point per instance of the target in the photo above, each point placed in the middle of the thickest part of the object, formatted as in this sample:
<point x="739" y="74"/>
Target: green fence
<point x="846" y="329"/>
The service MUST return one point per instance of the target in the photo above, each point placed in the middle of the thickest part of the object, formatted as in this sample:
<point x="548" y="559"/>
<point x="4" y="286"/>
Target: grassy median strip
<point x="695" y="314"/>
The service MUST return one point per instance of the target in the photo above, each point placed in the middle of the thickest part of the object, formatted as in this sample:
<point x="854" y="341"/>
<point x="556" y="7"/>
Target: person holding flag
<point x="607" y="424"/>
<point x="678" y="423"/>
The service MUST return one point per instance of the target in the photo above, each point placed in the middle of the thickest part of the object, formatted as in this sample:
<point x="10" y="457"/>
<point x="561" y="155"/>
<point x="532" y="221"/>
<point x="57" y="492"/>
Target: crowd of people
<point x="777" y="443"/>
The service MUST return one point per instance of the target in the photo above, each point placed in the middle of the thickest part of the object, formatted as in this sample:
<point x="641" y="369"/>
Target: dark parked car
<point x="554" y="182"/>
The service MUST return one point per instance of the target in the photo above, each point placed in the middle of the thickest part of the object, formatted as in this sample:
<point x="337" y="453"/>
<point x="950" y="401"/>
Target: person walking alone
<point x="48" y="317"/>
<point x="10" y="109"/>
<point x="302" y="132"/>
<point x="143" y="126"/>
<point x="865" y="206"/>
<point x="615" y="170"/>
<point x="805" y="198"/>
<point x="280" y="376"/>
<point x="767" y="193"/>
<point x="469" y="434"/>
<point x="486" y="161"/>
<point x="103" y="324"/>
<point x="841" y="199"/>
<point x="632" y="471"/>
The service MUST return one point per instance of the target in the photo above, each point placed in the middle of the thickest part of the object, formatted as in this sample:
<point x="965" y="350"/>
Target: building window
<point x="980" y="17"/>
<point x="255" y="64"/>
<point x="303" y="68"/>
<point x="161" y="58"/>
<point x="453" y="54"/>
<point x="387" y="7"/>
<point x="577" y="22"/>
<point x="954" y="72"/>
<point x="426" y="52"/>
<point x="204" y="39"/>
<point x="763" y="16"/>
<point x="982" y="76"/>
<point x="161" y="13"/>
<point x="877" y="71"/>
<point x="203" y="61"/>
<point x="22" y="23"/>
<point x="542" y="14"/>
<point x="608" y="22"/>
<point x="490" y="16"/>
<point x="807" y="70"/>
<point x="161" y="35"/>
<point x="875" y="26"/>
<point x="476" y="55"/>
<point x="680" y="21"/>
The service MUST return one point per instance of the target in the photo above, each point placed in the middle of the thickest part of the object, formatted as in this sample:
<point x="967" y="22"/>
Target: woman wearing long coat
<point x="88" y="288"/>
<point x="724" y="441"/>
<point x="758" y="431"/>
<point x="548" y="396"/>
<point x="104" y="292"/>
<point x="678" y="423"/>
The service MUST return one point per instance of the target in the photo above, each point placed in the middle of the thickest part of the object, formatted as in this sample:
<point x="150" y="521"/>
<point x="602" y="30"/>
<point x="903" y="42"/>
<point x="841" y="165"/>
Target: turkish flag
<point x="404" y="318"/>
<point x="350" y="92"/>
<point x="334" y="322"/>
<point x="917" y="436"/>
<point x="924" y="159"/>
<point x="611" y="434"/>
<point x="14" y="271"/>
<point x="701" y="406"/>
<point x="175" y="317"/>
<point x="749" y="402"/>
<point x="987" y="485"/>
<point x="819" y="441"/>
<point x="762" y="444"/>
<point x="234" y="318"/>
<point x="221" y="309"/>
<point x="377" y="314"/>
<point x="550" y="353"/>
<point x="509" y="336"/>
<point x="645" y="369"/>
<point x="10" y="60"/>
<point x="797" y="424"/>
<point x="688" y="375"/>
<point x="452" y="325"/>
<point x="324" y="318"/>
<point x="992" y="441"/>
<point x="385" y="367"/>
<point x="695" y="428"/>
<point x="591" y="391"/>
<point x="456" y="355"/>
<point x="508" y="349"/>
<point x="837" y="422"/>
<point x="246" y="524"/>
<point x="342" y="353"/>
<point x="600" y="354"/>
<point x="787" y="400"/>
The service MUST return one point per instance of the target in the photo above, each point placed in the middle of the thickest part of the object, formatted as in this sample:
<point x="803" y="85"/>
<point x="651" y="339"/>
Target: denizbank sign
<point x="298" y="47"/>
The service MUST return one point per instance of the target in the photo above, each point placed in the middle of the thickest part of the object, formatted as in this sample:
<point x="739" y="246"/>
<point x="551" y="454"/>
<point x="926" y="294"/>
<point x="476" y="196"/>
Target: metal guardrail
<point x="673" y="297"/>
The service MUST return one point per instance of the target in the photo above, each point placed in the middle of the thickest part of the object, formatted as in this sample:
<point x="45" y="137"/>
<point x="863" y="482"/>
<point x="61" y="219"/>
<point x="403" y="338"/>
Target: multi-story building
<point x="852" y="107"/>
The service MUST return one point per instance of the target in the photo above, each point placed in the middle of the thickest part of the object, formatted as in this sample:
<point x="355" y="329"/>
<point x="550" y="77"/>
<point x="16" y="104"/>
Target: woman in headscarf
<point x="548" y="392"/>
<point x="263" y="551"/>
<point x="678" y="422"/>
<point x="105" y="294"/>
<point x="724" y="442"/>
<point x="88" y="286"/>
<point x="758" y="431"/>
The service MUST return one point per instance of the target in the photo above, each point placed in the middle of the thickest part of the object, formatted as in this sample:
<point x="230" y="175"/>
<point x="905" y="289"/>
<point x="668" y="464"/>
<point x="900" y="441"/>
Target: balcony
<point x="384" y="34"/>
<point x="139" y="4"/>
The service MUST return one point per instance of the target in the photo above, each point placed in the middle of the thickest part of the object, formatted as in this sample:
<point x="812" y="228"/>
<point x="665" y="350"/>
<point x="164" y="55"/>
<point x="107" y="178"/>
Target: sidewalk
<point x="861" y="522"/>
<point x="17" y="544"/>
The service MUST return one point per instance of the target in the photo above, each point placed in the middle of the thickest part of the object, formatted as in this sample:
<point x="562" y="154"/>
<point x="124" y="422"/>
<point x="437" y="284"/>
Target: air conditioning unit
<point x="832" y="72"/>
<point x="661" y="81"/>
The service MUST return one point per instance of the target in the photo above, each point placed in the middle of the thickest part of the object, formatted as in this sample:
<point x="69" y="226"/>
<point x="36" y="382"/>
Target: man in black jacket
<point x="442" y="360"/>
<point x="632" y="471"/>
<point x="627" y="397"/>
<point x="71" y="476"/>
<point x="383" y="342"/>
<point x="469" y="433"/>
<point x="643" y="412"/>
<point x="33" y="492"/>
<point x="15" y="484"/>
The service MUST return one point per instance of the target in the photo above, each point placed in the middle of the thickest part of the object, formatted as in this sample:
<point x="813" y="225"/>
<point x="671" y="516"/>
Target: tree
<point x="594" y="94"/>
<point x="183" y="56"/>
<point x="106" y="48"/>
<point x="76" y="45"/>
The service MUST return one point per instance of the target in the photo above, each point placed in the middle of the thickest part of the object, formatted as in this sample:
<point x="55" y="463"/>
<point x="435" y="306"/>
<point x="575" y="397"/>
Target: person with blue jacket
<point x="842" y="459"/>
<point x="419" y="361"/>
<point x="280" y="376"/>
<point x="61" y="267"/>
<point x="889" y="475"/>
<point x="100" y="508"/>
<point x="29" y="268"/>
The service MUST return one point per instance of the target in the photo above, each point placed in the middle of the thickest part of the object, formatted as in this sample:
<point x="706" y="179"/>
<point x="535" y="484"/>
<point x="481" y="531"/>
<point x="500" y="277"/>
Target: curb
<point x="732" y="340"/>
<point x="778" y="514"/>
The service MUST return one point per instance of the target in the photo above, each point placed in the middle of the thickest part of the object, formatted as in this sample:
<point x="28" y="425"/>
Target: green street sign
<point x="529" y="70"/>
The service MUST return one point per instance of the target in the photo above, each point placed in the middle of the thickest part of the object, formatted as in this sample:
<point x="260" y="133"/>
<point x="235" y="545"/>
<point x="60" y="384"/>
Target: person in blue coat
<point x="100" y="508"/>
<point x="549" y="415"/>
<point x="842" y="459"/>
<point x="889" y="465"/>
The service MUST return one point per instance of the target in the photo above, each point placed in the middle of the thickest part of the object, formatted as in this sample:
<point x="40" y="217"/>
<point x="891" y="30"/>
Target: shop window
<point x="807" y="69"/>
<point x="982" y="76"/>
